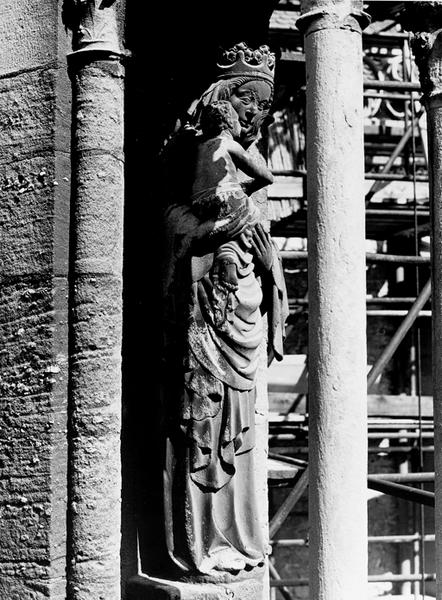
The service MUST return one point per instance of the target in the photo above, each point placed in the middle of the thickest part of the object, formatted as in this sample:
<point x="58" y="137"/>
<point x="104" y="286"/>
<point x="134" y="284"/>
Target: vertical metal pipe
<point x="425" y="19"/>
<point x="94" y="481"/>
<point x="337" y="322"/>
<point x="404" y="518"/>
<point x="434" y="119"/>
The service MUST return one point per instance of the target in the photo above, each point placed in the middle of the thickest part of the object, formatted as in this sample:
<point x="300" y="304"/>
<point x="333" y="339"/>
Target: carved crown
<point x="242" y="60"/>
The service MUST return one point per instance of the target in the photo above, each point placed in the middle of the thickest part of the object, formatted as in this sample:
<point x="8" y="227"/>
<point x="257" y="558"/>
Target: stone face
<point x="34" y="220"/>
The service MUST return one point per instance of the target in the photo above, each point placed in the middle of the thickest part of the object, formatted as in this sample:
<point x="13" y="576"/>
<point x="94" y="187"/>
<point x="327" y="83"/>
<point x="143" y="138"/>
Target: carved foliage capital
<point x="338" y="14"/>
<point x="93" y="24"/>
<point x="424" y="20"/>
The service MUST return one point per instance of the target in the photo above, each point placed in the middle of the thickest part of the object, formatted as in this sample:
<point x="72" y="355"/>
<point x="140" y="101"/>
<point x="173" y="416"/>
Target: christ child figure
<point x="218" y="194"/>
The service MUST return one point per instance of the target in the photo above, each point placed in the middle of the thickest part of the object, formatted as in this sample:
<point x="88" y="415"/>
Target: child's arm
<point x="260" y="174"/>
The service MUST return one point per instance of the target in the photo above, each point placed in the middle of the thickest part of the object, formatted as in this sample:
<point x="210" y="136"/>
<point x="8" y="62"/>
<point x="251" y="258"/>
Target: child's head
<point x="218" y="116"/>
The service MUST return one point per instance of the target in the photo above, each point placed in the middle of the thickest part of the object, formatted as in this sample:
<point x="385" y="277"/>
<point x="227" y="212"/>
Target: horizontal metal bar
<point x="400" y="539"/>
<point x="390" y="300"/>
<point x="405" y="477"/>
<point x="392" y="96"/>
<point x="397" y="258"/>
<point x="401" y="491"/>
<point x="381" y="300"/>
<point x="398" y="436"/>
<point x="395" y="177"/>
<point x="368" y="176"/>
<point x="371" y="579"/>
<point x="282" y="429"/>
<point x="375" y="429"/>
<point x="387" y="313"/>
<point x="371" y="449"/>
<point x="372" y="539"/>
<point x="369" y="257"/>
<point x="385" y="35"/>
<point x="289" y="173"/>
<point x="388" y="84"/>
<point x="396" y="313"/>
<point x="397" y="212"/>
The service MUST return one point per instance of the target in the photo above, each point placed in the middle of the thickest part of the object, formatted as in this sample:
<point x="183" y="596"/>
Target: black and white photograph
<point x="220" y="300"/>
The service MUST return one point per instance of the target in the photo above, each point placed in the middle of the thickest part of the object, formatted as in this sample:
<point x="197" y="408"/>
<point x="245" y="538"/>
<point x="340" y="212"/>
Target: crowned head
<point x="242" y="61"/>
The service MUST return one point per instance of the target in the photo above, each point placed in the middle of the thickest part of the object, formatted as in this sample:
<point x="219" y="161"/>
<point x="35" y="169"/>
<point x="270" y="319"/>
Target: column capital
<point x="94" y="27"/>
<point x="424" y="20"/>
<point x="338" y="14"/>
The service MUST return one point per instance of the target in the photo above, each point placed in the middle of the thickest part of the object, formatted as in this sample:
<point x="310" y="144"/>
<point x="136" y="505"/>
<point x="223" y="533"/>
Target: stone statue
<point x="219" y="195"/>
<point x="222" y="275"/>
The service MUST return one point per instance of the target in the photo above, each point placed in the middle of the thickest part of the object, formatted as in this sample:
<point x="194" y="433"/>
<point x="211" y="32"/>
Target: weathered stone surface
<point x="96" y="330"/>
<point x="337" y="341"/>
<point x="34" y="219"/>
<point x="28" y="33"/>
<point x="148" y="588"/>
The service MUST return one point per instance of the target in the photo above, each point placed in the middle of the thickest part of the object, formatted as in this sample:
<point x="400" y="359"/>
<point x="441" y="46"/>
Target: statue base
<point x="142" y="587"/>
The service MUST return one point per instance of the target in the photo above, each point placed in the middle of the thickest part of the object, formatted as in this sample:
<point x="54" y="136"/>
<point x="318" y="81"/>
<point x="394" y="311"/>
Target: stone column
<point x="95" y="302"/>
<point x="425" y="19"/>
<point x="337" y="322"/>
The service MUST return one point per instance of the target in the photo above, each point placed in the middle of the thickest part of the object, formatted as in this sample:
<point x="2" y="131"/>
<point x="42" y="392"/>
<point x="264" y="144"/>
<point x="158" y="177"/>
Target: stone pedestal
<point x="151" y="588"/>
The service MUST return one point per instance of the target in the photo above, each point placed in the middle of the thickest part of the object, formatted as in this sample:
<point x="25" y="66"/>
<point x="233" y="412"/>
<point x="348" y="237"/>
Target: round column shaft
<point x="337" y="320"/>
<point x="94" y="483"/>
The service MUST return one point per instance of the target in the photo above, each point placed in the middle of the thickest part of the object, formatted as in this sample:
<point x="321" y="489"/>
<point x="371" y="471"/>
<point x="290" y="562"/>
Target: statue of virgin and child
<point x="224" y="299"/>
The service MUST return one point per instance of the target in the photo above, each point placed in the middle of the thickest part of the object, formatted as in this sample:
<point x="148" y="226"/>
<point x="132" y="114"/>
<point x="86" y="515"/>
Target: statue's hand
<point x="208" y="236"/>
<point x="262" y="248"/>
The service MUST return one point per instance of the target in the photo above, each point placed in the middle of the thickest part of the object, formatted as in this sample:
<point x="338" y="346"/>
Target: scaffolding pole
<point x="401" y="332"/>
<point x="425" y="20"/>
<point x="369" y="257"/>
<point x="370" y="579"/>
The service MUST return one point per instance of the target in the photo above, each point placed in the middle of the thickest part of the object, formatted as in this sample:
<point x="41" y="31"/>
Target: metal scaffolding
<point x="391" y="224"/>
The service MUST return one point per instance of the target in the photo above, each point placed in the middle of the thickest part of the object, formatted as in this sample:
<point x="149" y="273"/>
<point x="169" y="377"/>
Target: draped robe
<point x="210" y="499"/>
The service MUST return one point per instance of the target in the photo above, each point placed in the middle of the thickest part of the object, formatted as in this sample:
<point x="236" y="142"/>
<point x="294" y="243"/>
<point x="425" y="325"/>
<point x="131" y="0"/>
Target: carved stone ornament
<point x="340" y="14"/>
<point x="93" y="24"/>
<point x="240" y="60"/>
<point x="424" y="19"/>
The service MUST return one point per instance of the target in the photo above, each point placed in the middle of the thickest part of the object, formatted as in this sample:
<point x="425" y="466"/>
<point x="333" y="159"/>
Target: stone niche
<point x="173" y="74"/>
